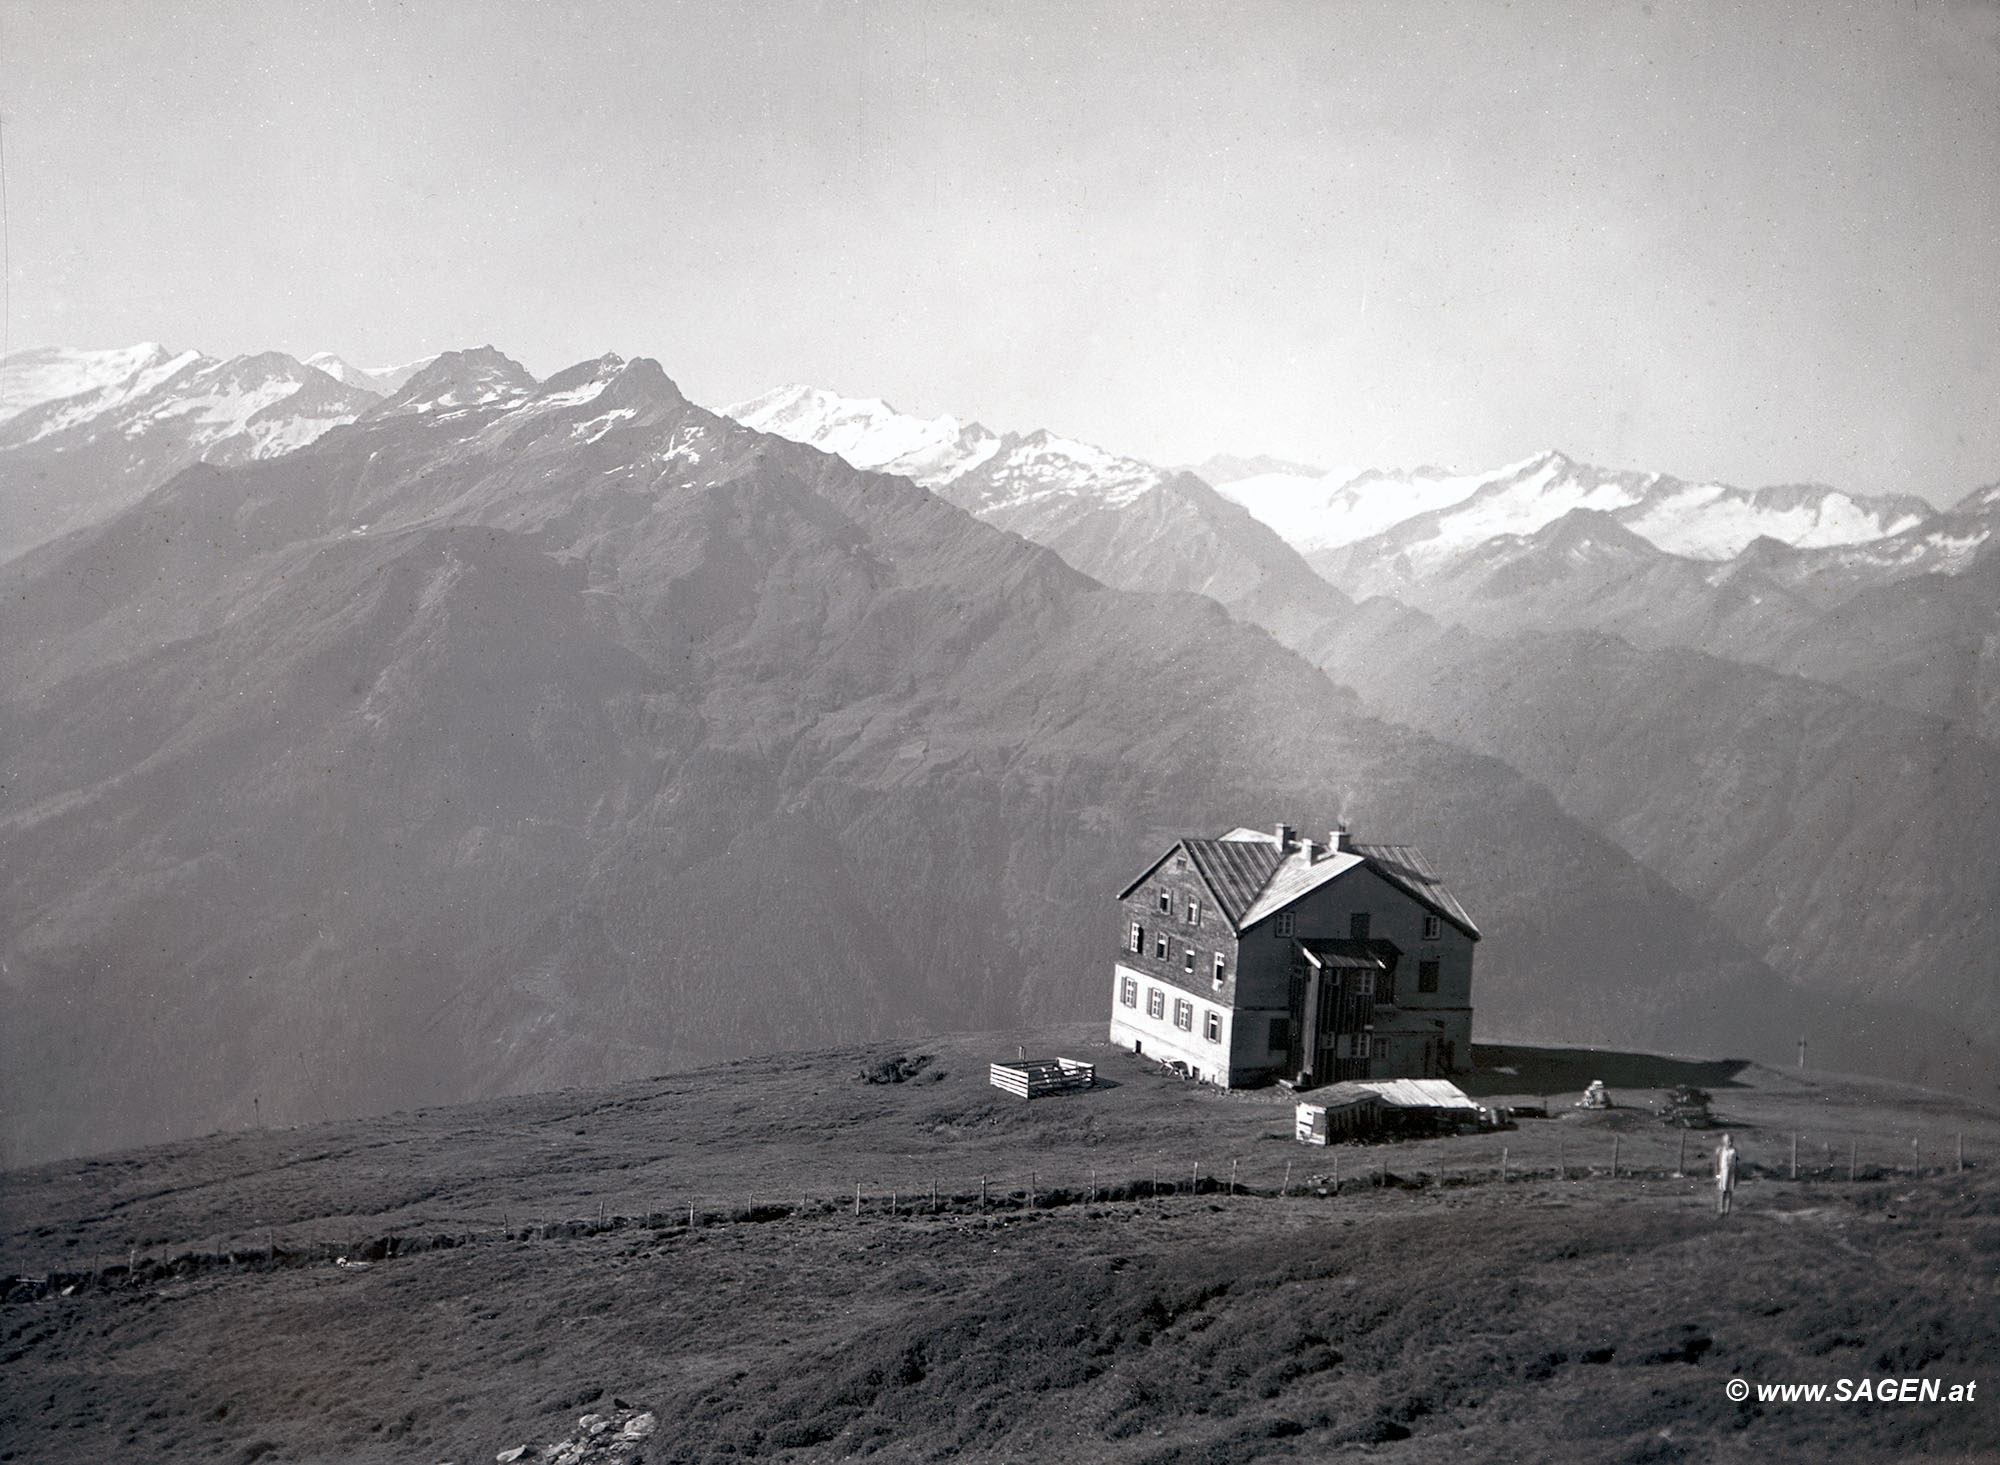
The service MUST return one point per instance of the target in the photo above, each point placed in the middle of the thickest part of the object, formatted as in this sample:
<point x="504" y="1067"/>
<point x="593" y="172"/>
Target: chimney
<point x="1339" y="842"/>
<point x="1309" y="850"/>
<point x="1287" y="837"/>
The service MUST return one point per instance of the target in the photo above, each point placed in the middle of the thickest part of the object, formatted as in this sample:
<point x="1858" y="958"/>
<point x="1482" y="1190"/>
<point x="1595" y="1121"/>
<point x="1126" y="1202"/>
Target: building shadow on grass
<point x="1508" y="1068"/>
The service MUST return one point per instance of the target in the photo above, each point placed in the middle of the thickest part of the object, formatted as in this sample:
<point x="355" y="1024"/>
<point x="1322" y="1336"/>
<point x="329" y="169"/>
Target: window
<point x="1364" y="984"/>
<point x="1379" y="1048"/>
<point x="1180" y="862"/>
<point x="1138" y="939"/>
<point x="1183" y="1015"/>
<point x="1285" y="924"/>
<point x="1187" y="961"/>
<point x="1156" y="1002"/>
<point x="1427" y="976"/>
<point x="1128" y="991"/>
<point x="1221" y="968"/>
<point x="1194" y="911"/>
<point x="1213" y="1027"/>
<point x="1166" y="904"/>
<point x="1160" y="946"/>
<point x="1357" y="926"/>
<point x="1433" y="928"/>
<point x="1281" y="1034"/>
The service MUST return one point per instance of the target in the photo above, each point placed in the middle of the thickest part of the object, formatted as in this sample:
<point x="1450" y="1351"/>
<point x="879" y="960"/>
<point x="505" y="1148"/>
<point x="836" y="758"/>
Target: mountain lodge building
<point x="1256" y="956"/>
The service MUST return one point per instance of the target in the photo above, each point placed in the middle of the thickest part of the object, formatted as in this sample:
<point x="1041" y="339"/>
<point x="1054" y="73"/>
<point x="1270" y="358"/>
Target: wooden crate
<point x="1038" y="1076"/>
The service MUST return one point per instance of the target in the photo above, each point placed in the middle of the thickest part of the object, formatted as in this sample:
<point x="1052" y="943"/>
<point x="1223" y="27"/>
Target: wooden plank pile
<point x="1031" y="1078"/>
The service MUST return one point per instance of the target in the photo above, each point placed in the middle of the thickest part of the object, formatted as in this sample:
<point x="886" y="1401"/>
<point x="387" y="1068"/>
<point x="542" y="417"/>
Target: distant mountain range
<point x="1849" y="842"/>
<point x="85" y="433"/>
<point x="372" y="749"/>
<point x="520" y="733"/>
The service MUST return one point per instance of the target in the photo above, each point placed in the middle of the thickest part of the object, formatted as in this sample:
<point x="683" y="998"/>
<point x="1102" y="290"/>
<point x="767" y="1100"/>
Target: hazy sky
<point x="1758" y="241"/>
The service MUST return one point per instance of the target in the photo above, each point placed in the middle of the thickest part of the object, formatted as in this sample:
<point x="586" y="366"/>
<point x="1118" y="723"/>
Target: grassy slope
<point x="1593" y="1318"/>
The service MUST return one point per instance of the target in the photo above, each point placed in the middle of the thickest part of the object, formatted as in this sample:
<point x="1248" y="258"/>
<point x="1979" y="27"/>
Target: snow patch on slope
<point x="49" y="373"/>
<point x="988" y="472"/>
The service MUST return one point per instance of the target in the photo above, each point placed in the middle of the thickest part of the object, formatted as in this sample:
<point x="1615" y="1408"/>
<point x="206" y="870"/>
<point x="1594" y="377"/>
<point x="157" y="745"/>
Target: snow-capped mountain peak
<point x="973" y="466"/>
<point x="458" y="380"/>
<point x="381" y="380"/>
<point x="1427" y="518"/>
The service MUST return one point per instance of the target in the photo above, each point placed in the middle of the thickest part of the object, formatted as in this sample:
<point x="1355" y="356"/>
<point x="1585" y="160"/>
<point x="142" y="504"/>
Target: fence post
<point x="982" y="1192"/>
<point x="1562" y="1159"/>
<point x="934" y="1195"/>
<point x="1961" y="1152"/>
<point x="1916" y="1155"/>
<point x="1336" y="1172"/>
<point x="1681" y="1165"/>
<point x="1032" y="1187"/>
<point x="1795" y="1154"/>
<point x="1850" y="1158"/>
<point x="857" y="1198"/>
<point x="1194" y="1184"/>
<point x="1286" y="1189"/>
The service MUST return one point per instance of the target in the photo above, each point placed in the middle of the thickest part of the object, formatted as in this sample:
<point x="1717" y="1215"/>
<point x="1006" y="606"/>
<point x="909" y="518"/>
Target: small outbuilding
<point x="1403" y="1105"/>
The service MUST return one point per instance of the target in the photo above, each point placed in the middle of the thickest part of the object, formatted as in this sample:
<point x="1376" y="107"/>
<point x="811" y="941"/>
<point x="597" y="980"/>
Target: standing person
<point x="1725" y="1175"/>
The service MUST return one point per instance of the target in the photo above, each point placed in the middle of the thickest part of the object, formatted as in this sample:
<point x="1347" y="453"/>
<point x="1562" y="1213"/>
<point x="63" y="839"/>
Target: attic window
<point x="1433" y="928"/>
<point x="1187" y="961"/>
<point x="1180" y="862"/>
<point x="1138" y="939"/>
<point x="1160" y="946"/>
<point x="1285" y="924"/>
<point x="1221" y="968"/>
<point x="1166" y="903"/>
<point x="1194" y="911"/>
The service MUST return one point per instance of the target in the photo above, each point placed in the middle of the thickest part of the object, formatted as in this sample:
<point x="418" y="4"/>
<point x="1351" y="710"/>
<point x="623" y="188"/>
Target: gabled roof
<point x="1252" y="878"/>
<point x="1296" y="876"/>
<point x="1235" y="869"/>
<point x="1405" y="866"/>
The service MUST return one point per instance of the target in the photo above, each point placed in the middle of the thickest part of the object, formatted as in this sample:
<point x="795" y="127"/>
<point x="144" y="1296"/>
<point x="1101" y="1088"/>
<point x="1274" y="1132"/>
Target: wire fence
<point x="1310" y="1173"/>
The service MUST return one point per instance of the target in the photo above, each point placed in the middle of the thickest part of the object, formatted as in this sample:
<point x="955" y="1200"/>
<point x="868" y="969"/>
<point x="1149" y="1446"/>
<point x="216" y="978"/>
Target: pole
<point x="1795" y="1154"/>
<point x="1232" y="1166"/>
<point x="1562" y="1160"/>
<point x="1681" y="1165"/>
<point x="1802" y="1052"/>
<point x="934" y="1195"/>
<point x="857" y="1198"/>
<point x="982" y="1192"/>
<point x="1336" y="1172"/>
<point x="1961" y="1152"/>
<point x="1194" y="1185"/>
<point x="1031" y="1189"/>
<point x="1850" y="1157"/>
<point x="1286" y="1189"/>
